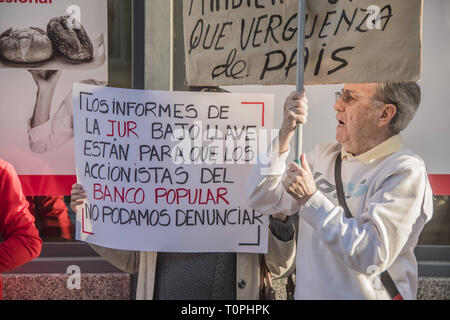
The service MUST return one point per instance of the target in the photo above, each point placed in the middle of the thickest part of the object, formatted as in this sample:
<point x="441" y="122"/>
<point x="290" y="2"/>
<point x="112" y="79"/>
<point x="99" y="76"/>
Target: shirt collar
<point x="387" y="147"/>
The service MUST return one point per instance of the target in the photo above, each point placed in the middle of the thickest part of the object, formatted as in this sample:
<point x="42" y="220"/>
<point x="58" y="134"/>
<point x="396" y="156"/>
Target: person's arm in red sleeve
<point x="21" y="238"/>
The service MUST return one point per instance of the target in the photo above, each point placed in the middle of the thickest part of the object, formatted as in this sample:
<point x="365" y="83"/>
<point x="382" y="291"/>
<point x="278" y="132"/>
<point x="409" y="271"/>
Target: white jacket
<point x="388" y="194"/>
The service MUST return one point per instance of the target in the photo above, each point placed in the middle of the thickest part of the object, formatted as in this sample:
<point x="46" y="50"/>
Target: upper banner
<point x="237" y="42"/>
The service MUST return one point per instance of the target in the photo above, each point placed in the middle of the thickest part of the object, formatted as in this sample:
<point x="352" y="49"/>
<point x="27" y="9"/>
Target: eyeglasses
<point x="347" y="96"/>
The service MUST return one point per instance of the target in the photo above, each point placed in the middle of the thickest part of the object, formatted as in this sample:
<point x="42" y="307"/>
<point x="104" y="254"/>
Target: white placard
<point x="166" y="171"/>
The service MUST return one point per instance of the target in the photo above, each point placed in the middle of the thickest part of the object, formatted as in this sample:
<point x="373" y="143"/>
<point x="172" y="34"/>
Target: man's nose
<point x="339" y="105"/>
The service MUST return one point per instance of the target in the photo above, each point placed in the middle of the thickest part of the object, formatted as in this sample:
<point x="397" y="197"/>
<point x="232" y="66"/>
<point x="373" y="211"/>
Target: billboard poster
<point x="46" y="46"/>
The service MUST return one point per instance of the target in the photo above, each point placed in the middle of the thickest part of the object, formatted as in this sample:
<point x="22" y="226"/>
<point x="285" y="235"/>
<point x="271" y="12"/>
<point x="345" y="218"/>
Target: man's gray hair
<point x="405" y="96"/>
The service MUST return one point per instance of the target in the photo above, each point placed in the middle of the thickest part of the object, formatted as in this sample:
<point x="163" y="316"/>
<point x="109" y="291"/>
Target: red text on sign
<point x="195" y="196"/>
<point x="122" y="128"/>
<point x="122" y="194"/>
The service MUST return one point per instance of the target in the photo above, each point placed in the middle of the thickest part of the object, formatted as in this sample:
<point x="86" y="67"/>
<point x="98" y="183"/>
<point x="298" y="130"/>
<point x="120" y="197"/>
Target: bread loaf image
<point x="28" y="45"/>
<point x="71" y="41"/>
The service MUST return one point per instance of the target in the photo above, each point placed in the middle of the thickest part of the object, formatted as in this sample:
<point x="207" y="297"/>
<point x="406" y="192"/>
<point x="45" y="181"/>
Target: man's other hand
<point x="299" y="181"/>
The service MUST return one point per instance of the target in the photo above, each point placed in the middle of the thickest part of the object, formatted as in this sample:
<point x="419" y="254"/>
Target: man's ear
<point x="388" y="113"/>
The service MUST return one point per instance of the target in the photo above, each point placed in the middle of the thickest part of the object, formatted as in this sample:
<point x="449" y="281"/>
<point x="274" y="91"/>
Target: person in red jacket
<point x="19" y="238"/>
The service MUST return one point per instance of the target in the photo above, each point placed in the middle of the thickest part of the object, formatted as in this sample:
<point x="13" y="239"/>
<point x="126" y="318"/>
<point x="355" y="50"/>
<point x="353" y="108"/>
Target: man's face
<point x="358" y="118"/>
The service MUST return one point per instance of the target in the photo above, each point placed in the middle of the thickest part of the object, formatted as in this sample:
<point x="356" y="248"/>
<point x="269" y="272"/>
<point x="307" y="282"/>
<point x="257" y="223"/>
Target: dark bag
<point x="385" y="278"/>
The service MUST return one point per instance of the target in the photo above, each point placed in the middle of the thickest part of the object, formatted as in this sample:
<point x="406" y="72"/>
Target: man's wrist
<point x="284" y="140"/>
<point x="303" y="200"/>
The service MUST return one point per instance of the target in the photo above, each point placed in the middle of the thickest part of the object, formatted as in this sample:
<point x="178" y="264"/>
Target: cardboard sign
<point x="166" y="171"/>
<point x="236" y="42"/>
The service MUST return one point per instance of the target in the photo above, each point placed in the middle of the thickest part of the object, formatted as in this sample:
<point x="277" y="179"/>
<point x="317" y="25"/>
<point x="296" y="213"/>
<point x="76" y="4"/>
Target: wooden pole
<point x="300" y="73"/>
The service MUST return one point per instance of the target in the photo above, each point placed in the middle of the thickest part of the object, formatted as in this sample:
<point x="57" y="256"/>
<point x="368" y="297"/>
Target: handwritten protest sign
<point x="236" y="42"/>
<point x="166" y="171"/>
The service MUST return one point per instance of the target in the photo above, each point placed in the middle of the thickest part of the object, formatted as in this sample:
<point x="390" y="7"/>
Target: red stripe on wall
<point x="440" y="183"/>
<point x="37" y="185"/>
<point x="40" y="185"/>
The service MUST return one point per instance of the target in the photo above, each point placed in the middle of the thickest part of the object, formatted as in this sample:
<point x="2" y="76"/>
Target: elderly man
<point x="360" y="246"/>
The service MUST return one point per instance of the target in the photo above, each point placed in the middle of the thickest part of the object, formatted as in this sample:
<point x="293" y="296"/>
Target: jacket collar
<point x="387" y="147"/>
